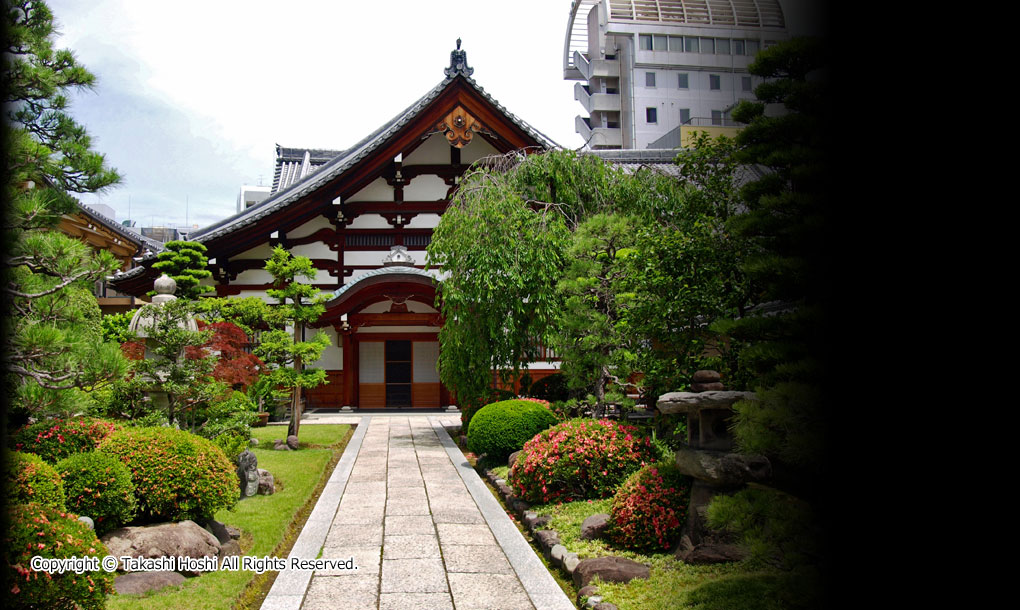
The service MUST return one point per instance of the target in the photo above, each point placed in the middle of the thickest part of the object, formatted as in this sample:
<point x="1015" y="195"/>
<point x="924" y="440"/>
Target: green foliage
<point x="552" y="388"/>
<point x="229" y="422"/>
<point x="52" y="533"/>
<point x="580" y="458"/>
<point x="116" y="327"/>
<point x="650" y="508"/>
<point x="778" y="529"/>
<point x="30" y="479"/>
<point x="54" y="440"/>
<point x="52" y="343"/>
<point x="298" y="304"/>
<point x="500" y="428"/>
<point x="185" y="262"/>
<point x="99" y="486"/>
<point x="177" y="475"/>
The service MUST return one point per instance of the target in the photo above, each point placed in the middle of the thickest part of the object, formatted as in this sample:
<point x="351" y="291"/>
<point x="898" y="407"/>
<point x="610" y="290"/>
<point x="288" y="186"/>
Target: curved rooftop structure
<point x="720" y="13"/>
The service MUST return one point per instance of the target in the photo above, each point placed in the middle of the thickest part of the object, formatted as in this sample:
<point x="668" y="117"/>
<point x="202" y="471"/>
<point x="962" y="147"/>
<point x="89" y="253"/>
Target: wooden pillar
<point x="350" y="373"/>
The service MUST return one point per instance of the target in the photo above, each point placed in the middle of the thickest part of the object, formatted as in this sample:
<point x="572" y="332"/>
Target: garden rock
<point x="723" y="469"/>
<point x="595" y="526"/>
<point x="267" y="485"/>
<point x="547" y="538"/>
<point x="87" y="521"/>
<point x="604" y="606"/>
<point x="218" y="529"/>
<point x="609" y="569"/>
<point x="711" y="553"/>
<point x="230" y="548"/>
<point x="570" y="561"/>
<point x="280" y="445"/>
<point x="142" y="582"/>
<point x="184" y="539"/>
<point x="292" y="442"/>
<point x="512" y="460"/>
<point x="706" y="376"/>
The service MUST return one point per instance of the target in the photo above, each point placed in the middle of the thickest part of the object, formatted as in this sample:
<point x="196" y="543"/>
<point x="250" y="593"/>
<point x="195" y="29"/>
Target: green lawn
<point x="264" y="520"/>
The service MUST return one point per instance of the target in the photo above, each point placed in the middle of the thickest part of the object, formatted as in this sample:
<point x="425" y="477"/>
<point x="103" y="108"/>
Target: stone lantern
<point x="710" y="458"/>
<point x="143" y="320"/>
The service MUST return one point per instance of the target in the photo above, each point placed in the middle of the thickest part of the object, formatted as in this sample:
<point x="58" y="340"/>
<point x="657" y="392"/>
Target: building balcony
<point x="598" y="137"/>
<point x="604" y="68"/>
<point x="595" y="102"/>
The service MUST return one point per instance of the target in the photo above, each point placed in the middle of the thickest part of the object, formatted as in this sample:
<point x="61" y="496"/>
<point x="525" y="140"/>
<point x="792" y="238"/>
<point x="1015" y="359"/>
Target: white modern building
<point x="649" y="71"/>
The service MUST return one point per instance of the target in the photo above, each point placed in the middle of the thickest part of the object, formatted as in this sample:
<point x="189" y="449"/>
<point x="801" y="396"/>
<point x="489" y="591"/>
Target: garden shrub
<point x="229" y="424"/>
<point x="56" y="439"/>
<point x="650" y="508"/>
<point x="54" y="534"/>
<point x="579" y="459"/>
<point x="503" y="427"/>
<point x="30" y="479"/>
<point x="99" y="486"/>
<point x="552" y="388"/>
<point x="177" y="475"/>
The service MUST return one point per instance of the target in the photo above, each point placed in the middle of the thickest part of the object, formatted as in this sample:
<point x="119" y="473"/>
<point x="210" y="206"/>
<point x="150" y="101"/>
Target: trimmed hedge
<point x="54" y="534"/>
<point x="56" y="439"/>
<point x="30" y="479"/>
<point x="579" y="459"/>
<point x="650" y="508"/>
<point x="177" y="475"/>
<point x="99" y="486"/>
<point x="501" y="428"/>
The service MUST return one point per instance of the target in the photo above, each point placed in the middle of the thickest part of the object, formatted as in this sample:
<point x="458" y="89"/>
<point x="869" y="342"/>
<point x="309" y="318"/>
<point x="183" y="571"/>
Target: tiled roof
<point x="293" y="164"/>
<point x="120" y="229"/>
<point x="395" y="270"/>
<point x="340" y="164"/>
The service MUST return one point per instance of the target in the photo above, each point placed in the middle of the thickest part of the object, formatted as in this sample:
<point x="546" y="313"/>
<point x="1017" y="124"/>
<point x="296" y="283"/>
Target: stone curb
<point x="547" y="539"/>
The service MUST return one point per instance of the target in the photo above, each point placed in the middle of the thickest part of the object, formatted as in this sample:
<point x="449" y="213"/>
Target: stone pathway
<point x="423" y="529"/>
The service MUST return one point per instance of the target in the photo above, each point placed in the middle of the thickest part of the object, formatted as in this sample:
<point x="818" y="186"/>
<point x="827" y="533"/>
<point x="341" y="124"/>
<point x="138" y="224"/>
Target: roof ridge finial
<point x="458" y="63"/>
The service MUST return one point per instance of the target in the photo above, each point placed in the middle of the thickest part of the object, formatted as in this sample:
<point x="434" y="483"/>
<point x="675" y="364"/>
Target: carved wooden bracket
<point x="398" y="220"/>
<point x="460" y="127"/>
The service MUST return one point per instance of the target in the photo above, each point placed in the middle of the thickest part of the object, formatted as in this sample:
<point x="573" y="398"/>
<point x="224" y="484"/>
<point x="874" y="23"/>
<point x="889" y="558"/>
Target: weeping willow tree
<point x="555" y="247"/>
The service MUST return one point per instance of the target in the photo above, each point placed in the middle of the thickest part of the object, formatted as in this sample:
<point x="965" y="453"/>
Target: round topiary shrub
<point x="579" y="459"/>
<point x="650" y="508"/>
<point x="99" y="486"/>
<point x="42" y="531"/>
<point x="501" y="428"/>
<point x="177" y="475"/>
<point x="30" y="479"/>
<point x="56" y="439"/>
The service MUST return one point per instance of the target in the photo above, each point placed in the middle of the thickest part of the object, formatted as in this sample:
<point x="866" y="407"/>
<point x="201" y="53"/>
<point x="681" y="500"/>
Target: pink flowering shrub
<point x="579" y="459"/>
<point x="56" y="439"/>
<point x="650" y="508"/>
<point x="54" y="534"/>
<point x="544" y="403"/>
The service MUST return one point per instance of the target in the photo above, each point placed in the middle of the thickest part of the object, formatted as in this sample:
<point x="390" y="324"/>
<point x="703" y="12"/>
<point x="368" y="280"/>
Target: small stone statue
<point x="247" y="472"/>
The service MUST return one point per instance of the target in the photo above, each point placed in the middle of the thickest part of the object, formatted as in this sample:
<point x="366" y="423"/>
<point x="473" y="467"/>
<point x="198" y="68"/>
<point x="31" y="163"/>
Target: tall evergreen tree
<point x="186" y="262"/>
<point x="53" y="338"/>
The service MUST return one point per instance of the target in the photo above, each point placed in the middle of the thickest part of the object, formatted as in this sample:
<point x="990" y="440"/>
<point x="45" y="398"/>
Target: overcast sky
<point x="192" y="96"/>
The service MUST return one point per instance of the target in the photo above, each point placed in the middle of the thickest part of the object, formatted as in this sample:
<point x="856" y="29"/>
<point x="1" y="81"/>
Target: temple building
<point x="364" y="216"/>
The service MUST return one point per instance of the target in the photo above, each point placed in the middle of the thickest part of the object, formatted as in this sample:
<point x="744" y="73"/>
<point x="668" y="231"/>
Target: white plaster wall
<point x="261" y="252"/>
<point x="377" y="190"/>
<point x="314" y="250"/>
<point x="434" y="151"/>
<point x="370" y="221"/>
<point x="253" y="276"/>
<point x="424" y="358"/>
<point x="365" y="257"/>
<point x="333" y="356"/>
<point x="310" y="227"/>
<point x="412" y="306"/>
<point x="477" y="149"/>
<point x="428" y="187"/>
<point x="424" y="221"/>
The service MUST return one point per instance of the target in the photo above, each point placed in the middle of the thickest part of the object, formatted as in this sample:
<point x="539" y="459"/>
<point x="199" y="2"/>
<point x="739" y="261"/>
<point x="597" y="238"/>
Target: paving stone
<point x="476" y="558"/>
<point x="368" y="534"/>
<point x="403" y="525"/>
<point x="413" y="546"/>
<point x="458" y="515"/>
<point x="461" y="533"/>
<point x="366" y="559"/>
<point x="360" y="515"/>
<point x="419" y="601"/>
<point x="488" y="592"/>
<point x="413" y="576"/>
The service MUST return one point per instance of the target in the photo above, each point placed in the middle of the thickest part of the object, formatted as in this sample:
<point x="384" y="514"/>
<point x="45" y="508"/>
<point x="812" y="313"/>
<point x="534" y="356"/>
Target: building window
<point x="658" y="43"/>
<point x="685" y="116"/>
<point x="708" y="45"/>
<point x="722" y="46"/>
<point x="691" y="44"/>
<point x="649" y="79"/>
<point x="682" y="81"/>
<point x="717" y="117"/>
<point x="651" y="115"/>
<point x="676" y="44"/>
<point x="745" y="83"/>
<point x="714" y="82"/>
<point x="738" y="47"/>
<point x="753" y="47"/>
<point x="645" y="41"/>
